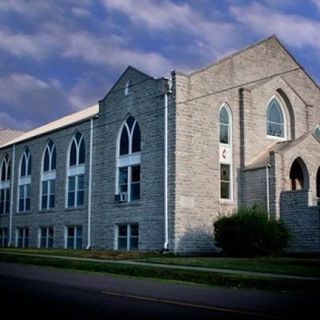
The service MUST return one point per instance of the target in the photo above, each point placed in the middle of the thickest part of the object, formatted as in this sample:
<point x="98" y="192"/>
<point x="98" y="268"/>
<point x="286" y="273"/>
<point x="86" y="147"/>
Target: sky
<point x="60" y="56"/>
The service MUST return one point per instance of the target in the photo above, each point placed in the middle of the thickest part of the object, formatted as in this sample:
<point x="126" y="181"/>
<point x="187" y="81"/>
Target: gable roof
<point x="127" y="70"/>
<point x="263" y="159"/>
<point x="7" y="135"/>
<point x="246" y="48"/>
<point x="55" y="125"/>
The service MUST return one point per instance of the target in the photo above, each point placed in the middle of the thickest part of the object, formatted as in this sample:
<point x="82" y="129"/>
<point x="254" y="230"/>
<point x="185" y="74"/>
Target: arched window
<point x="76" y="171"/>
<point x="5" y="175"/>
<point x="299" y="175"/>
<point x="128" y="164"/>
<point x="225" y="138"/>
<point x="317" y="132"/>
<point x="276" y="124"/>
<point x="126" y="89"/>
<point x="48" y="177"/>
<point x="224" y="120"/>
<point x="25" y="181"/>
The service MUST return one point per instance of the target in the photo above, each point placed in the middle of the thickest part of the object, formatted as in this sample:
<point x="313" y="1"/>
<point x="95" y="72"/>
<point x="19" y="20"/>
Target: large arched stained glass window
<point x="48" y="177"/>
<point x="275" y="119"/>
<point x="128" y="164"/>
<point x="25" y="181"/>
<point x="5" y="175"/>
<point x="76" y="171"/>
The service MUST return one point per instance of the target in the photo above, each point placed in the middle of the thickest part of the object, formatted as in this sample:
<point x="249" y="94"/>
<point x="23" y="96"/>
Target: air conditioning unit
<point x="123" y="196"/>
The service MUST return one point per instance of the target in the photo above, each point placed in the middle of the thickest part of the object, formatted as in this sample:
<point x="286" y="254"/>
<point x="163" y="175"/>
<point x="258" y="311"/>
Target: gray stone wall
<point x="302" y="221"/>
<point x="246" y="82"/>
<point x="60" y="216"/>
<point x="145" y="102"/>
<point x="255" y="187"/>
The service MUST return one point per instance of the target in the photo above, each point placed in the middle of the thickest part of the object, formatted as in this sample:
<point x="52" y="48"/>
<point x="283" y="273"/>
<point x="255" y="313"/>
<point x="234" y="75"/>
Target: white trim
<point x="126" y="89"/>
<point x="76" y="170"/>
<point x="127" y="160"/>
<point x="284" y="116"/>
<point x="24" y="180"/>
<point x="268" y="190"/>
<point x="230" y="148"/>
<point x="48" y="175"/>
<point x="166" y="218"/>
<point x="5" y="184"/>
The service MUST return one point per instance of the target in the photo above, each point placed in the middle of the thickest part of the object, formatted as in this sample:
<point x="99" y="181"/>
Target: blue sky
<point x="57" y="57"/>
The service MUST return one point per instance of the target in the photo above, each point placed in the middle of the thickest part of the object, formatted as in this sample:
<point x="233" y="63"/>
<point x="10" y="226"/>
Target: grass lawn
<point x="201" y="277"/>
<point x="289" y="266"/>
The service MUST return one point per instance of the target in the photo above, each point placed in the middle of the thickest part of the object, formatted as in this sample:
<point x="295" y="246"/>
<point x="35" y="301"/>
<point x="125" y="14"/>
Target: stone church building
<point x="156" y="161"/>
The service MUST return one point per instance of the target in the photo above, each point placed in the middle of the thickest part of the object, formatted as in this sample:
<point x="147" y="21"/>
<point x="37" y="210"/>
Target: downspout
<point x="167" y="90"/>
<point x="268" y="189"/>
<point x="90" y="185"/>
<point x="11" y="194"/>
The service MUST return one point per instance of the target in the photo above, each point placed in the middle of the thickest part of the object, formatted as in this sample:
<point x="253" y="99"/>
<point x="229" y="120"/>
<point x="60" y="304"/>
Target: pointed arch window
<point x="276" y="124"/>
<point x="76" y="171"/>
<point x="24" y="193"/>
<point x="128" y="162"/>
<point x="48" y="176"/>
<point x="317" y="132"/>
<point x="224" y="120"/>
<point x="225" y="149"/>
<point x="5" y="176"/>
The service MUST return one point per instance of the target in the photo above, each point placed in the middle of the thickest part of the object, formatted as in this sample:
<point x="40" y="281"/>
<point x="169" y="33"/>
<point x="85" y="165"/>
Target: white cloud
<point x="316" y="3"/>
<point x="32" y="99"/>
<point x="81" y="12"/>
<point x="113" y="51"/>
<point x="297" y="31"/>
<point x="38" y="46"/>
<point x="7" y="121"/>
<point x="160" y="15"/>
<point x="207" y="36"/>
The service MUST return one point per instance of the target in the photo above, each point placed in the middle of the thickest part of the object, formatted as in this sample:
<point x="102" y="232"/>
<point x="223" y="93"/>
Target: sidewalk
<point x="174" y="267"/>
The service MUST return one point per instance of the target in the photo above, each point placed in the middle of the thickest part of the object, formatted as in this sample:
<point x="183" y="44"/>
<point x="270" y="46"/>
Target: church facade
<point x="156" y="161"/>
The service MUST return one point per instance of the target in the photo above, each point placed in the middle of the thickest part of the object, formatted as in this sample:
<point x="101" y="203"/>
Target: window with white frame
<point x="225" y="181"/>
<point x="5" y="175"/>
<point x="224" y="120"/>
<point x="22" y="238"/>
<point x="73" y="237"/>
<point x="4" y="237"/>
<point x="225" y="150"/>
<point x="127" y="237"/>
<point x="48" y="176"/>
<point x="46" y="237"/>
<point x="317" y="132"/>
<point x="128" y="162"/>
<point x="25" y="182"/>
<point x="276" y="124"/>
<point x="126" y="89"/>
<point x="76" y="171"/>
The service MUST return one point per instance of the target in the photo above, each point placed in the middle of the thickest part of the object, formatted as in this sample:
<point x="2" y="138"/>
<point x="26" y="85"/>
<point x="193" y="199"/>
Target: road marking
<point x="191" y="305"/>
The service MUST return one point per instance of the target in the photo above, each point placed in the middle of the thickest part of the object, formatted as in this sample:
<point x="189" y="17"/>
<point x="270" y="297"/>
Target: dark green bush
<point x="249" y="233"/>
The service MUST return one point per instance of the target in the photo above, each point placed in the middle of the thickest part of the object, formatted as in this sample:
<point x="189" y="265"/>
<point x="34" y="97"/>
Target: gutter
<point x="167" y="91"/>
<point x="268" y="188"/>
<point x="11" y="193"/>
<point x="90" y="185"/>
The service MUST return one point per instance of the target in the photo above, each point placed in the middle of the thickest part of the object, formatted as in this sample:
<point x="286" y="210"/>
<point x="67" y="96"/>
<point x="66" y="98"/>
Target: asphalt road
<point x="39" y="293"/>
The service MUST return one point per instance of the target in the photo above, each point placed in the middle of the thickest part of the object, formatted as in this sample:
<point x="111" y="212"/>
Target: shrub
<point x="249" y="232"/>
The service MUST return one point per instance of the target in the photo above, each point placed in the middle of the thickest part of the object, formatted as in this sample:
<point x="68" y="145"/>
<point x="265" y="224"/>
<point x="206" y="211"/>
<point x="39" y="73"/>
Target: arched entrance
<point x="299" y="175"/>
